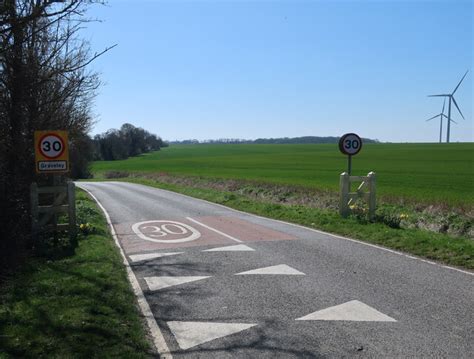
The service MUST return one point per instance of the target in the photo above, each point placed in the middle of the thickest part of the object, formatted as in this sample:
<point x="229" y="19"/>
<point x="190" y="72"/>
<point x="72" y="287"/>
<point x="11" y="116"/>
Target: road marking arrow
<point x="147" y="256"/>
<point x="351" y="311"/>
<point x="190" y="334"/>
<point x="236" y="248"/>
<point x="156" y="283"/>
<point x="281" y="269"/>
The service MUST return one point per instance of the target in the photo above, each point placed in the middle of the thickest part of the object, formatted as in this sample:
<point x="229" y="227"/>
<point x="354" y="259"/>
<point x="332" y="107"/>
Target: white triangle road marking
<point x="236" y="248"/>
<point x="350" y="311"/>
<point x="190" y="334"/>
<point x="156" y="283"/>
<point x="147" y="256"/>
<point x="281" y="269"/>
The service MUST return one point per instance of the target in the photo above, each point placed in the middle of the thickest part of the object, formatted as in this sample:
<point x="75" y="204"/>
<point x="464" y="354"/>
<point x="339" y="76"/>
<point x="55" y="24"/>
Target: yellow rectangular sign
<point x="51" y="151"/>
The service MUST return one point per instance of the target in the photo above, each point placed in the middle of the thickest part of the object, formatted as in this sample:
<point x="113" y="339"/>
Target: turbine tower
<point x="441" y="115"/>
<point x="451" y="99"/>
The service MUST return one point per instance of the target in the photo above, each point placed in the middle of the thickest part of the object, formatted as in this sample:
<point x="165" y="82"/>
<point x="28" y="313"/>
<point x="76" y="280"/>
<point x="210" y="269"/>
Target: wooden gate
<point x="45" y="215"/>
<point x="365" y="191"/>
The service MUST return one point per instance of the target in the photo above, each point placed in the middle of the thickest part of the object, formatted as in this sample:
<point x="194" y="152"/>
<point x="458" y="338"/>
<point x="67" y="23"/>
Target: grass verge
<point x="457" y="251"/>
<point x="79" y="306"/>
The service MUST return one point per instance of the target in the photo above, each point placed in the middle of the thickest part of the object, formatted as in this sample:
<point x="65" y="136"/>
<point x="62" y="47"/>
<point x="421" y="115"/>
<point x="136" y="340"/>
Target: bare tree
<point x="44" y="84"/>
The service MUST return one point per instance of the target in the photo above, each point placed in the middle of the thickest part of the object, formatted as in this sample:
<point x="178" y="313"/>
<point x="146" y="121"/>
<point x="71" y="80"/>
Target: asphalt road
<point x="274" y="290"/>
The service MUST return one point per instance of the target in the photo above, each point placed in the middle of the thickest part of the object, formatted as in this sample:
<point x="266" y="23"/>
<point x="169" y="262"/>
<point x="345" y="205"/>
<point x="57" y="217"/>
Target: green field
<point x="436" y="173"/>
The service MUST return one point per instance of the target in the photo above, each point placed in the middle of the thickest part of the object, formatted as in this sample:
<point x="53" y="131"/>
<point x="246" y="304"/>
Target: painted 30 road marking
<point x="164" y="231"/>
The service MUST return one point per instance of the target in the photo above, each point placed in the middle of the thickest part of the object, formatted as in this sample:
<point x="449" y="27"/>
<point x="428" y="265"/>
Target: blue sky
<point x="250" y="69"/>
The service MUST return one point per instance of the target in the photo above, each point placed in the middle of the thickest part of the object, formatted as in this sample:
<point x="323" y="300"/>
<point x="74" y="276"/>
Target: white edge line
<point x="310" y="229"/>
<point x="213" y="229"/>
<point x="155" y="332"/>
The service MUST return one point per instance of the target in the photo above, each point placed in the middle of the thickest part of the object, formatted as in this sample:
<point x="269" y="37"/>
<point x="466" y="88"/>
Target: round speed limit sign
<point x="51" y="146"/>
<point x="350" y="144"/>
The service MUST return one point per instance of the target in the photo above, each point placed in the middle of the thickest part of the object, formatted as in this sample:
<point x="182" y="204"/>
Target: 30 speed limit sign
<point x="350" y="144"/>
<point x="51" y="151"/>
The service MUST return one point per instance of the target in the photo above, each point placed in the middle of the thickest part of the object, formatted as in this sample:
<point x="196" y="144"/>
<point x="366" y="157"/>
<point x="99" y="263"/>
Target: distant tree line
<point x="282" y="140"/>
<point x="123" y="143"/>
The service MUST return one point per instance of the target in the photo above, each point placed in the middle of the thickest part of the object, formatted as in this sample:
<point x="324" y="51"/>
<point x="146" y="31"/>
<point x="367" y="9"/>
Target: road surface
<point x="225" y="284"/>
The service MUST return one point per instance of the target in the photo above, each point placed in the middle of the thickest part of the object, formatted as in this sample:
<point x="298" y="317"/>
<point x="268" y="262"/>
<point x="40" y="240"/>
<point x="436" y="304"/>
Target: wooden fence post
<point x="34" y="211"/>
<point x="344" y="194"/>
<point x="372" y="201"/>
<point x="71" y="197"/>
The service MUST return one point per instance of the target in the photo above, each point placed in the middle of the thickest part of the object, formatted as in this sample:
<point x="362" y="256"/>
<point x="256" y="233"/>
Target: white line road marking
<point x="163" y="228"/>
<point x="147" y="256"/>
<point x="190" y="334"/>
<point x="236" y="248"/>
<point x="157" y="283"/>
<point x="214" y="230"/>
<point x="281" y="269"/>
<point x="155" y="332"/>
<point x="351" y="311"/>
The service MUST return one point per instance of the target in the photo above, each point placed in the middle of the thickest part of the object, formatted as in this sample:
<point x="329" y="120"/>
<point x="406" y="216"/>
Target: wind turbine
<point x="451" y="99"/>
<point x="441" y="115"/>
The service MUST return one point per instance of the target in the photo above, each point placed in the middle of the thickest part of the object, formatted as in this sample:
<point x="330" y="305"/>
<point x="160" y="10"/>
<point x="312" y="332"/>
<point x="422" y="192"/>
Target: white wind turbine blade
<point x="432" y="118"/>
<point x="460" y="82"/>
<point x="458" y="108"/>
<point x="439" y="95"/>
<point x="444" y="103"/>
